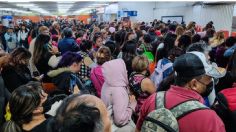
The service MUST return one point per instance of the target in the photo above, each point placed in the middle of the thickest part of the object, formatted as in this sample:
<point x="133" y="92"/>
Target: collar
<point x="186" y="93"/>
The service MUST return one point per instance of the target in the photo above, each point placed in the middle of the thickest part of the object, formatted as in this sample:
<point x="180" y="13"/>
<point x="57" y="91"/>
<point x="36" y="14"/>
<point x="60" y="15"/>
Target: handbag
<point x="148" y="54"/>
<point x="153" y="64"/>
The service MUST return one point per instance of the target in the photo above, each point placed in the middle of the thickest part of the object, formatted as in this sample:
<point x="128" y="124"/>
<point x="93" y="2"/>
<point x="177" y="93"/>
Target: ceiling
<point x="52" y="7"/>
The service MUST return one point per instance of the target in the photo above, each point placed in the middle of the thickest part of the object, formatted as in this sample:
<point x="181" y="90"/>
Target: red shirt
<point x="198" y="121"/>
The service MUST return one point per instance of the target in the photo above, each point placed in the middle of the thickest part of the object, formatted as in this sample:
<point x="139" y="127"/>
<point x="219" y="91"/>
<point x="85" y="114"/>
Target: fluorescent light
<point x="14" y="10"/>
<point x="33" y="7"/>
<point x="101" y="4"/>
<point x="63" y="8"/>
<point x="66" y="2"/>
<point x="83" y="10"/>
<point x="26" y="5"/>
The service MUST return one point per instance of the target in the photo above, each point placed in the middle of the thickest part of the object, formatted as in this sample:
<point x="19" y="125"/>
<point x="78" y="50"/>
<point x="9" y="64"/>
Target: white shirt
<point x="22" y="35"/>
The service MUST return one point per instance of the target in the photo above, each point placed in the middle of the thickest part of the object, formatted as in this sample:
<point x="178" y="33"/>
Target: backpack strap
<point x="181" y="109"/>
<point x="160" y="99"/>
<point x="187" y="107"/>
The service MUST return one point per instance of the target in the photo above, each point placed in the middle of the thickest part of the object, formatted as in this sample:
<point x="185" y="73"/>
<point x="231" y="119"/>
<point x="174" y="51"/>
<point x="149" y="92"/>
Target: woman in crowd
<point x="64" y="77"/>
<point x="15" y="70"/>
<point x="179" y="31"/>
<point x="191" y="27"/>
<point x="128" y="51"/>
<point x="22" y="36"/>
<point x="11" y="40"/>
<point x="45" y="56"/>
<point x="55" y="32"/>
<point x="230" y="78"/>
<point x="103" y="55"/>
<point x="85" y="51"/>
<point x="42" y="30"/>
<point x="217" y="40"/>
<point x="140" y="84"/>
<point x="166" y="46"/>
<point x="146" y="45"/>
<point x="184" y="41"/>
<point x="115" y="95"/>
<point x="98" y="41"/>
<point x="27" y="109"/>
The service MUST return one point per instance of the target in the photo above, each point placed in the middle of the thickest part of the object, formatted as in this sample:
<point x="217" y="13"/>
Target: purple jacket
<point x="115" y="92"/>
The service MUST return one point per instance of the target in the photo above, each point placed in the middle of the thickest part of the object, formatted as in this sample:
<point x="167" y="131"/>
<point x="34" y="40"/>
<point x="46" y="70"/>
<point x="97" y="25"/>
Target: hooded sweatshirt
<point x="115" y="91"/>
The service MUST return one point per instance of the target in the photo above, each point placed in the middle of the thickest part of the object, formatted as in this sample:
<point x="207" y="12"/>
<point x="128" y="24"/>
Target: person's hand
<point x="132" y="99"/>
<point x="76" y="90"/>
<point x="54" y="50"/>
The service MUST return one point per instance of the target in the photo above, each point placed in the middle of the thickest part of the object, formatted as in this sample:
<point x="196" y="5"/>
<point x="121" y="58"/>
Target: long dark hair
<point x="40" y="42"/>
<point x="14" y="58"/>
<point x="21" y="30"/>
<point x="22" y="103"/>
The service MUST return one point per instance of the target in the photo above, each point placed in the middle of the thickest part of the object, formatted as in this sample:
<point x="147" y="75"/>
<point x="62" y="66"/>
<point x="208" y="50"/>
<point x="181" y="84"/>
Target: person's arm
<point x="7" y="37"/>
<point x="53" y="61"/>
<point x="229" y="51"/>
<point x="148" y="86"/>
<point x="122" y="108"/>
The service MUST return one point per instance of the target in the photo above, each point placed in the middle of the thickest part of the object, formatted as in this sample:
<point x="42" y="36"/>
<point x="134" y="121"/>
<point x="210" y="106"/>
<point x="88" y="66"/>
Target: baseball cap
<point x="194" y="64"/>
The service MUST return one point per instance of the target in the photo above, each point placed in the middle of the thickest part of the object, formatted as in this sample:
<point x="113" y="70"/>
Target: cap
<point x="194" y="64"/>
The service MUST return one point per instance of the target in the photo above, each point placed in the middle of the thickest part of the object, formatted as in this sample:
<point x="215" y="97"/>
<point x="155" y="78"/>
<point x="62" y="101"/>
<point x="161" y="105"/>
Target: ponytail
<point x="11" y="126"/>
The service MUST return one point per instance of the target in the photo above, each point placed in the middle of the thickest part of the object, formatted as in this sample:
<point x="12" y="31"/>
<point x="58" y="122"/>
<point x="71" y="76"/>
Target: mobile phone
<point x="72" y="85"/>
<point x="41" y="76"/>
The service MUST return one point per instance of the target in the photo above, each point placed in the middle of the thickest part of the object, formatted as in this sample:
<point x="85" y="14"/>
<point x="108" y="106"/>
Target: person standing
<point x="22" y="37"/>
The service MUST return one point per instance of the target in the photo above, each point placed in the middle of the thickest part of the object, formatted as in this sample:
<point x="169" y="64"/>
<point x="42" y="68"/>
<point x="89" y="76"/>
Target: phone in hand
<point x="41" y="76"/>
<point x="72" y="85"/>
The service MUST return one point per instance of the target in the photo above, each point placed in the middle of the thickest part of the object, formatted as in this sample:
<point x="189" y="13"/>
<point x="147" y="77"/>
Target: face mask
<point x="209" y="89"/>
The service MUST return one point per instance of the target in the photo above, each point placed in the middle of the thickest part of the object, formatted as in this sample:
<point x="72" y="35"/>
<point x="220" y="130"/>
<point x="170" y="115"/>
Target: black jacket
<point x="63" y="79"/>
<point x="14" y="77"/>
<point x="4" y="98"/>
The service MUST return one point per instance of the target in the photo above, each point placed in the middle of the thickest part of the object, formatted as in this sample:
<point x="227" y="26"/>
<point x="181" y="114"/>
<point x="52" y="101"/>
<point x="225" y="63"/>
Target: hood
<point x="115" y="73"/>
<point x="58" y="71"/>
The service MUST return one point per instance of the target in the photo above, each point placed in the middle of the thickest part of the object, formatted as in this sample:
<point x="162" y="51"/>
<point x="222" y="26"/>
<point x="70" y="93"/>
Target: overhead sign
<point x="127" y="13"/>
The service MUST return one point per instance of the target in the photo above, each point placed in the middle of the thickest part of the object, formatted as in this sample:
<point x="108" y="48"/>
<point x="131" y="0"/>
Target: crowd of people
<point x="121" y="76"/>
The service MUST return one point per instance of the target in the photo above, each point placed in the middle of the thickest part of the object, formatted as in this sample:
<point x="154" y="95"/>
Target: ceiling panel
<point x="53" y="8"/>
